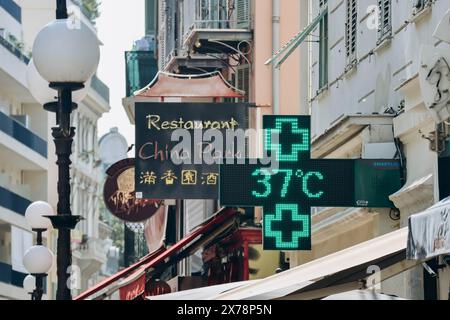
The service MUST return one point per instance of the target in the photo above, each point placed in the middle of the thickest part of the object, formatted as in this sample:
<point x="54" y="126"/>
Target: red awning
<point x="210" y="85"/>
<point x="132" y="278"/>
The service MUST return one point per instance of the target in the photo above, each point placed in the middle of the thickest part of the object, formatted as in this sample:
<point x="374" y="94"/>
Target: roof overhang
<point x="168" y="86"/>
<point x="343" y="130"/>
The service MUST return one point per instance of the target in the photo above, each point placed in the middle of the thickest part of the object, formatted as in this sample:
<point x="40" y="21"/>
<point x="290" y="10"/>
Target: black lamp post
<point x="66" y="56"/>
<point x="64" y="221"/>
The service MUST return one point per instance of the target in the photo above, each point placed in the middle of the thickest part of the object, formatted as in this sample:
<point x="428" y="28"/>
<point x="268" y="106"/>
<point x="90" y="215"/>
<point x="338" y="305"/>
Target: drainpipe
<point x="275" y="47"/>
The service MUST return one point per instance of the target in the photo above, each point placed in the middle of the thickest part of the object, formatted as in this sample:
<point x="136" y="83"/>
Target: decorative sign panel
<point x="120" y="197"/>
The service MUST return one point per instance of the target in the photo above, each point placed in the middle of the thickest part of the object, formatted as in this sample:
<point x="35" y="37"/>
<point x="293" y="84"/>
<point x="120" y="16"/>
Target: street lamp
<point x="66" y="56"/>
<point x="29" y="284"/>
<point x="45" y="95"/>
<point x="38" y="259"/>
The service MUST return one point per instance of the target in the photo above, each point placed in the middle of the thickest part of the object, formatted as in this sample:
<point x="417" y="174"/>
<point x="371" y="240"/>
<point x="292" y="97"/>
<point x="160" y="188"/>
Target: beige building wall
<point x="262" y="74"/>
<point x="262" y="79"/>
<point x="290" y="70"/>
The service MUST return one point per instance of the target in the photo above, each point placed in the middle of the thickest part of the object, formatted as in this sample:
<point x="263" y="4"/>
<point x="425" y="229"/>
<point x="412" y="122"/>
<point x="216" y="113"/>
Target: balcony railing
<point x="9" y="276"/>
<point x="217" y="14"/>
<point x="221" y="24"/>
<point x="101" y="88"/>
<point x="13" y="202"/>
<point x="12" y="8"/>
<point x="22" y="134"/>
<point x="14" y="50"/>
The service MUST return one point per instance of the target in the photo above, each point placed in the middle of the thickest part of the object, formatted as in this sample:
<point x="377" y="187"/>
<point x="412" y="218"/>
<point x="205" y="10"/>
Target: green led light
<point x="304" y="134"/>
<point x="265" y="182"/>
<point x="287" y="181"/>
<point x="269" y="220"/>
<point x="306" y="178"/>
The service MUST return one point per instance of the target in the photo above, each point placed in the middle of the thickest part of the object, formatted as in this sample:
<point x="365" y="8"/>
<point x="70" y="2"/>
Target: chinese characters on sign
<point x="164" y="171"/>
<point x="298" y="183"/>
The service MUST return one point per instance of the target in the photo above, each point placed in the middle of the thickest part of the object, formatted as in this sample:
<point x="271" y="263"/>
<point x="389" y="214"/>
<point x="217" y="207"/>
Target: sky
<point x="119" y="25"/>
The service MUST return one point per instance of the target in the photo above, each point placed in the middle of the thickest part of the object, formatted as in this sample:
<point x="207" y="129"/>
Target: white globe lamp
<point x="36" y="215"/>
<point x="38" y="260"/>
<point x="64" y="53"/>
<point x="41" y="91"/>
<point x="29" y="283"/>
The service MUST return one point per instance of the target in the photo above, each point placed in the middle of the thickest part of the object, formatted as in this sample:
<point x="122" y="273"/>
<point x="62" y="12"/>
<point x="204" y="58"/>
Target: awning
<point x="201" y="293"/>
<point x="339" y="272"/>
<point x="130" y="280"/>
<point x="429" y="232"/>
<point x="362" y="295"/>
<point x="292" y="44"/>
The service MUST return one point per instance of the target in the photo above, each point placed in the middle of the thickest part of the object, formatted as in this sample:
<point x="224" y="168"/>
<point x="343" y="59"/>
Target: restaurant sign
<point x="178" y="150"/>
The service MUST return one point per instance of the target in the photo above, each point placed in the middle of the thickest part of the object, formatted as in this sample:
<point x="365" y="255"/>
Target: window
<point x="350" y="31"/>
<point x="323" y="48"/>
<point x="385" y="24"/>
<point x="242" y="81"/>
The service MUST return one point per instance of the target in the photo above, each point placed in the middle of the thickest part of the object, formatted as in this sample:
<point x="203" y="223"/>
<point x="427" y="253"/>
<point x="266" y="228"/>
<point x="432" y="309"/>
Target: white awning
<point x="387" y="251"/>
<point x="200" y="293"/>
<point x="361" y="295"/>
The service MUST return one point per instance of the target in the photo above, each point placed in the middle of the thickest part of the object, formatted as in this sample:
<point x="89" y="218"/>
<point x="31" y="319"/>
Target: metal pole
<point x="61" y="9"/>
<point x="64" y="221"/>
<point x="64" y="256"/>
<point x="39" y="287"/>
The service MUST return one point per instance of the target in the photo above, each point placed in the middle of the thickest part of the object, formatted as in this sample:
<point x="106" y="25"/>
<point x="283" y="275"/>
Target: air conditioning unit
<point x="22" y="118"/>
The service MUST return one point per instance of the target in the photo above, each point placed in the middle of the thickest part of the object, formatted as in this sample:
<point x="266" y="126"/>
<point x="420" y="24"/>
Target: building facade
<point x="27" y="161"/>
<point x="364" y="66"/>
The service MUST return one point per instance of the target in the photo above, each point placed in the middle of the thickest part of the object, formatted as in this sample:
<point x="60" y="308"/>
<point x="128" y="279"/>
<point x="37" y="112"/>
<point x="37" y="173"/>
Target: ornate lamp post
<point x="66" y="56"/>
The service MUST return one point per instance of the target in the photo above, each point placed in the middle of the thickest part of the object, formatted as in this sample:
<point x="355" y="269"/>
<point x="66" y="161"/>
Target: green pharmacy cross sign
<point x="288" y="188"/>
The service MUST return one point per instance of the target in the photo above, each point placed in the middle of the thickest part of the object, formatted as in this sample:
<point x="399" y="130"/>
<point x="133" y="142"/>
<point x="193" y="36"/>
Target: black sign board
<point x="163" y="170"/>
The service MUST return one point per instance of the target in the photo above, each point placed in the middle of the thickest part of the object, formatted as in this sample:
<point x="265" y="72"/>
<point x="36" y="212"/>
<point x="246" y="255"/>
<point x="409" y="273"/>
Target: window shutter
<point x="385" y="24"/>
<point x="243" y="14"/>
<point x="243" y="81"/>
<point x="351" y="31"/>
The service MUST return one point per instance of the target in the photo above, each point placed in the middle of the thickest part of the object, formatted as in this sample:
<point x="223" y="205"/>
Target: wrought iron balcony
<point x="217" y="25"/>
